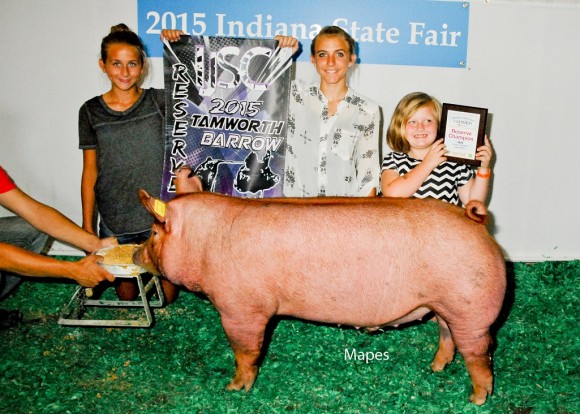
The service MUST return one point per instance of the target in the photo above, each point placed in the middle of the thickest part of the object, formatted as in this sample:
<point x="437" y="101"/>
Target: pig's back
<point x="344" y="255"/>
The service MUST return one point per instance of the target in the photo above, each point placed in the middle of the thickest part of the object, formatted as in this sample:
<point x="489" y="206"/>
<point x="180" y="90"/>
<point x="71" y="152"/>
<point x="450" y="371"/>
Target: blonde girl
<point x="417" y="167"/>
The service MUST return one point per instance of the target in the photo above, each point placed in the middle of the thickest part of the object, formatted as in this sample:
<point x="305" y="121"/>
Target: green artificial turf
<point x="183" y="363"/>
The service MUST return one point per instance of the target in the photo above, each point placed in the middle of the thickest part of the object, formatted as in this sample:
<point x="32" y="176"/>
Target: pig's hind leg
<point x="474" y="347"/>
<point x="246" y="338"/>
<point x="446" y="351"/>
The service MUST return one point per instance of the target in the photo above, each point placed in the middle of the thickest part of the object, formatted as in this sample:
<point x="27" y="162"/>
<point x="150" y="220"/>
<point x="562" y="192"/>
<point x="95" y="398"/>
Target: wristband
<point x="483" y="175"/>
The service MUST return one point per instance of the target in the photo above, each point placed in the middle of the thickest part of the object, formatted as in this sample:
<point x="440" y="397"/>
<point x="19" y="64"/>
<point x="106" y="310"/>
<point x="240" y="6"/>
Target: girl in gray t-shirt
<point x="122" y="137"/>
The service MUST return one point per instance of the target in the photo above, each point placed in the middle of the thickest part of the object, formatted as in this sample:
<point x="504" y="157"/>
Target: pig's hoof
<point x="438" y="366"/>
<point x="440" y="361"/>
<point x="479" y="394"/>
<point x="233" y="386"/>
<point x="478" y="399"/>
<point x="237" y="384"/>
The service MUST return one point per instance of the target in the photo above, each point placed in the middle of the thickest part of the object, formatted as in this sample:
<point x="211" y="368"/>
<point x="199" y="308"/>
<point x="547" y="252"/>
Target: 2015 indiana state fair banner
<point x="388" y="32"/>
<point x="226" y="113"/>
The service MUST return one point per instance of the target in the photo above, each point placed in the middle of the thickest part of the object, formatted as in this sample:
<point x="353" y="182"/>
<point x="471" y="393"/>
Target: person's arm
<point x="50" y="221"/>
<point x="87" y="272"/>
<point x="477" y="188"/>
<point x="88" y="181"/>
<point x="404" y="186"/>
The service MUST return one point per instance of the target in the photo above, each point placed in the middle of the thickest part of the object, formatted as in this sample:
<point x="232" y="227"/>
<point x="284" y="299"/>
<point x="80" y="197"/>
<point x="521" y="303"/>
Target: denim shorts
<point x="18" y="232"/>
<point x="125" y="238"/>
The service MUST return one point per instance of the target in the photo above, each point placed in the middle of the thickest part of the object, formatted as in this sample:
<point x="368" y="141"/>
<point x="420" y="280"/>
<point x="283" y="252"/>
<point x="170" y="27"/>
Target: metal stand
<point x="73" y="313"/>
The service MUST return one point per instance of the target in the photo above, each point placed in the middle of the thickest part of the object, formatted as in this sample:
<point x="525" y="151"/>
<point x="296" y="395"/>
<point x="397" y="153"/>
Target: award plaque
<point x="462" y="129"/>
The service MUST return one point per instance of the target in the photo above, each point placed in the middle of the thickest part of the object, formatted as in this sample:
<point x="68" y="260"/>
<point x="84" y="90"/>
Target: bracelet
<point x="483" y="175"/>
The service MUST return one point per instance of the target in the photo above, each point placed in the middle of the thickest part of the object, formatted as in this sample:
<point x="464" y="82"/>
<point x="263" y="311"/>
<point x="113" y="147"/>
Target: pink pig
<point x="365" y="262"/>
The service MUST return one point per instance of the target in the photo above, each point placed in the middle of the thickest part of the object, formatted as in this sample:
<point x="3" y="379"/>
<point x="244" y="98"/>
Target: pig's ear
<point x="196" y="184"/>
<point x="186" y="182"/>
<point x="153" y="205"/>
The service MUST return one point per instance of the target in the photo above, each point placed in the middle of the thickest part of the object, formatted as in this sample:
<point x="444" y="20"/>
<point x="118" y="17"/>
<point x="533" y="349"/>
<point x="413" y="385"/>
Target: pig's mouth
<point x="137" y="258"/>
<point x="136" y="255"/>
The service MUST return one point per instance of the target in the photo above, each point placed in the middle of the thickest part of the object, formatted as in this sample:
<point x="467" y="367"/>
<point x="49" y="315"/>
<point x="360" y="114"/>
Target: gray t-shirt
<point x="130" y="153"/>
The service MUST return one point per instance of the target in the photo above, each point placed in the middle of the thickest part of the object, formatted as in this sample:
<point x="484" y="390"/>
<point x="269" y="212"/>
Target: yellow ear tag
<point x="159" y="207"/>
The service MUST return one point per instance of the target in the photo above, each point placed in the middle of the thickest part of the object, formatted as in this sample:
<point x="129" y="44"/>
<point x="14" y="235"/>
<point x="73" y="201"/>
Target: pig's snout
<point x="141" y="258"/>
<point x="137" y="252"/>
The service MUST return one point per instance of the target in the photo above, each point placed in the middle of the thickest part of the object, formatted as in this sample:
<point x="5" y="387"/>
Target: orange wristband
<point x="483" y="175"/>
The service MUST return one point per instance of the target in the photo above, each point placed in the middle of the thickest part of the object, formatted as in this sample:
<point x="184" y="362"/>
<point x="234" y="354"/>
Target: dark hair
<point x="121" y="34"/>
<point x="333" y="31"/>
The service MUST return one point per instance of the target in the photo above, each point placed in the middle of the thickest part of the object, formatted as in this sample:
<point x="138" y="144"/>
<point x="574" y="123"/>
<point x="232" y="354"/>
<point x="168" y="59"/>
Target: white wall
<point x="523" y="64"/>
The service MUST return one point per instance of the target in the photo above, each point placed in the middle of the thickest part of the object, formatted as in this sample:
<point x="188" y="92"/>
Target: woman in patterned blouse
<point x="333" y="131"/>
<point x="418" y="166"/>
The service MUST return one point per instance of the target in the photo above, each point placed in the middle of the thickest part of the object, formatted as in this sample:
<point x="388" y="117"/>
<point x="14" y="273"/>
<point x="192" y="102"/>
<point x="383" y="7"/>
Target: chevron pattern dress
<point x="444" y="181"/>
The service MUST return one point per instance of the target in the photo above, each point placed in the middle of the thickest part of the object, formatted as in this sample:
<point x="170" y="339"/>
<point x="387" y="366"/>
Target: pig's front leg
<point x="246" y="337"/>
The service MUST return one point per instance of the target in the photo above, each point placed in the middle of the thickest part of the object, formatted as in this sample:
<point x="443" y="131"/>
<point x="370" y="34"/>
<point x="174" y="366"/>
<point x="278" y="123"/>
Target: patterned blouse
<point x="331" y="156"/>
<point x="444" y="181"/>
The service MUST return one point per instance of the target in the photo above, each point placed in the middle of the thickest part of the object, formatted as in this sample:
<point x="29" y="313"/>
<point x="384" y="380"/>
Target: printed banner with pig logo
<point x="226" y="114"/>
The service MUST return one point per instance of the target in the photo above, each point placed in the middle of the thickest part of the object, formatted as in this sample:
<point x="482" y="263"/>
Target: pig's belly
<point x="371" y="317"/>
